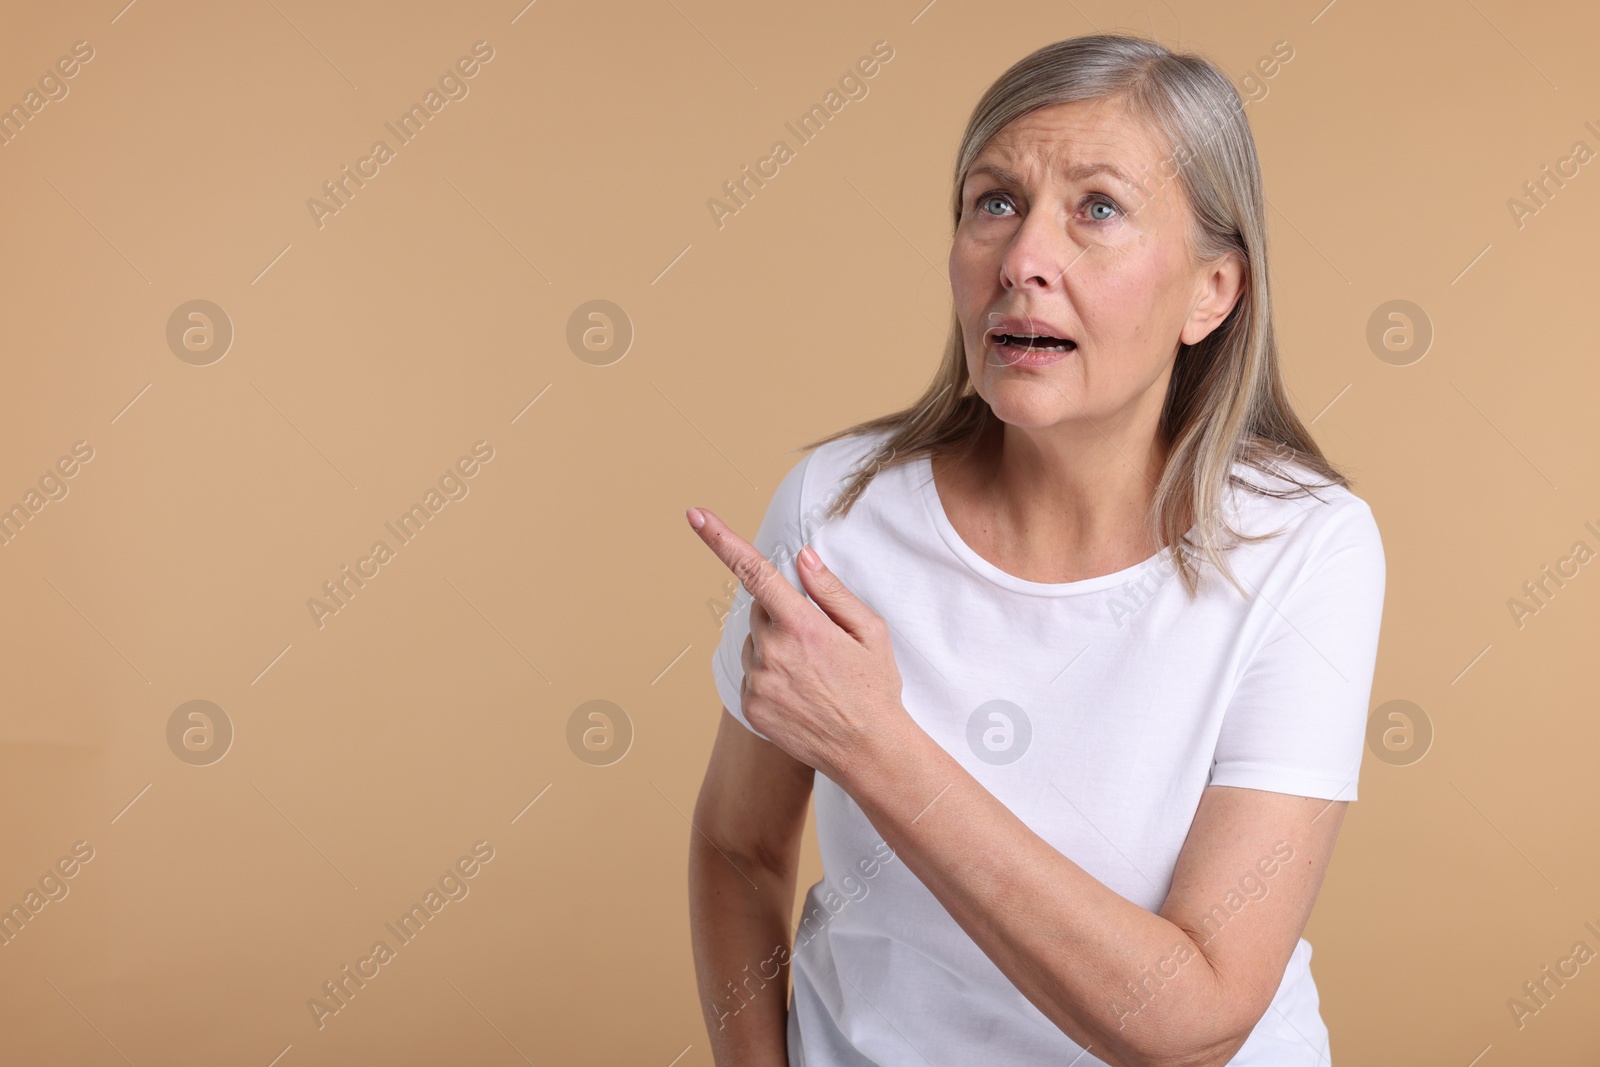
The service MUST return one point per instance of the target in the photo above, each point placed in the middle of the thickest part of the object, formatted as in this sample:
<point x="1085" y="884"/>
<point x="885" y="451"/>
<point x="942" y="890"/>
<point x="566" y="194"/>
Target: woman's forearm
<point x="1068" y="942"/>
<point x="739" y="916"/>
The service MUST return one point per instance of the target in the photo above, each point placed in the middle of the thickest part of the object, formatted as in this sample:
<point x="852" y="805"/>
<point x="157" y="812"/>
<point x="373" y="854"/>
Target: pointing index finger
<point x="755" y="572"/>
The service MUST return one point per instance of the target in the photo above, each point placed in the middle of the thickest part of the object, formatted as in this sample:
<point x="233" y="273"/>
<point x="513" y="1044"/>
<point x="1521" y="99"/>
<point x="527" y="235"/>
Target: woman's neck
<point x="1051" y="513"/>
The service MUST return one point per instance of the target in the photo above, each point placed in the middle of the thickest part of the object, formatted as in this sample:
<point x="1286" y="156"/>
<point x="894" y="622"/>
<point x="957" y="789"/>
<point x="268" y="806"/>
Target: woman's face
<point x="1073" y="223"/>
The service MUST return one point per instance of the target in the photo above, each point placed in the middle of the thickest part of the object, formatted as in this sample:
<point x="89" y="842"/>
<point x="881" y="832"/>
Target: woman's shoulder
<point x="854" y="449"/>
<point x="1291" y="498"/>
<point x="819" y="477"/>
<point x="833" y="464"/>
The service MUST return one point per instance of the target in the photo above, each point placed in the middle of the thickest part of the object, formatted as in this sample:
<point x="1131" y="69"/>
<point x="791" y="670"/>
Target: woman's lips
<point x="1031" y="352"/>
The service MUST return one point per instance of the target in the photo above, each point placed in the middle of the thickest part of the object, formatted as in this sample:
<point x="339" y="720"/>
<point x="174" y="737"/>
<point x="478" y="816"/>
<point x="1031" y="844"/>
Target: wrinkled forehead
<point x="1075" y="140"/>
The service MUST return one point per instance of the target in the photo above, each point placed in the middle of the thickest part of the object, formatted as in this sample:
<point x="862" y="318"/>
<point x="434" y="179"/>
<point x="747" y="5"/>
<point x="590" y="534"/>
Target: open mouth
<point x="1043" y="343"/>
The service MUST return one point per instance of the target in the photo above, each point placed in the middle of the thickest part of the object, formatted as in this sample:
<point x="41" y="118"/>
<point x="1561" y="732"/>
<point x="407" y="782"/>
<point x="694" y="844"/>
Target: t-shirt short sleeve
<point x="1297" y="719"/>
<point x="779" y="539"/>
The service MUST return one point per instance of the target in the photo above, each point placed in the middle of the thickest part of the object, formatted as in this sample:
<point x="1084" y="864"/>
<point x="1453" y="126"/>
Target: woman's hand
<point x="821" y="685"/>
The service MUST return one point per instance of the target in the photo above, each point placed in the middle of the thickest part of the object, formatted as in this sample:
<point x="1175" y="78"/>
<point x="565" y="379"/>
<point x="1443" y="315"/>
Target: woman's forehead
<point x="1073" y="141"/>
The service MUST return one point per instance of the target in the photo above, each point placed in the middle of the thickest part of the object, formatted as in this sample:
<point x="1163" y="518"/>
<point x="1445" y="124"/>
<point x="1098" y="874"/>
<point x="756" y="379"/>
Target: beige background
<point x="433" y="309"/>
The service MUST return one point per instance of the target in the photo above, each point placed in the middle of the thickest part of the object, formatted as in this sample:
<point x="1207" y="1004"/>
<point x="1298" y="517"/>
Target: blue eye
<point x="1094" y="206"/>
<point x="989" y="198"/>
<point x="1098" y="204"/>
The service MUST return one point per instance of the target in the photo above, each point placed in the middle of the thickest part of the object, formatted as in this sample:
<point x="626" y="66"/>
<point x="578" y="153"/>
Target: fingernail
<point x="696" y="518"/>
<point x="810" y="558"/>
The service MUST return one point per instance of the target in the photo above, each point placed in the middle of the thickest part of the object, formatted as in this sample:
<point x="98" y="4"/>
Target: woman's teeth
<point x="1048" y="344"/>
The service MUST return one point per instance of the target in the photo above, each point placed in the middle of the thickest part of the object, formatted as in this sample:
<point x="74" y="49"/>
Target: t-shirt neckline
<point x="963" y="551"/>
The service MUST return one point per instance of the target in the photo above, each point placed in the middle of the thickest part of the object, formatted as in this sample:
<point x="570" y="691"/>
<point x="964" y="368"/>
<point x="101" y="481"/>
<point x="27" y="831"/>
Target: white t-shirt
<point x="1097" y="711"/>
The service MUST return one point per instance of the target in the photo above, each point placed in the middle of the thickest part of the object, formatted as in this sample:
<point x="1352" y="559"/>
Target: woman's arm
<point x="1136" y="988"/>
<point x="743" y="861"/>
<point x="1174" y="988"/>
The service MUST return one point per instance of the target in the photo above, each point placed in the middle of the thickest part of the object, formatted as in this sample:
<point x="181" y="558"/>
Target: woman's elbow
<point x="1183" y="1041"/>
<point x="1193" y="1050"/>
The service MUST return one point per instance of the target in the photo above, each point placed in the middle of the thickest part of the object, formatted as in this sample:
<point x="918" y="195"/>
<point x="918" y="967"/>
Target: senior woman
<point x="1078" y="651"/>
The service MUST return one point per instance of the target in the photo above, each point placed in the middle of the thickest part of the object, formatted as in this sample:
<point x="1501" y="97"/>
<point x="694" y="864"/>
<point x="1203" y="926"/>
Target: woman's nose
<point x="1039" y="254"/>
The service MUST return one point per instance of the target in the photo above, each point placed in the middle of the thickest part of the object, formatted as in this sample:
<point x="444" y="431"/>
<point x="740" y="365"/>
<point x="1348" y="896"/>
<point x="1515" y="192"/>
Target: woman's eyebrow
<point x="1076" y="172"/>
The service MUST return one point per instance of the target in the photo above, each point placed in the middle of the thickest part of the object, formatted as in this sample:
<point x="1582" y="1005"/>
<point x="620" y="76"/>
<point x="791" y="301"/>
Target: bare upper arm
<point x="753" y="800"/>
<point x="1244" y="885"/>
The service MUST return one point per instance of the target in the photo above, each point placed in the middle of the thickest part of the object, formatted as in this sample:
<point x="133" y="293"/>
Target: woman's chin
<point x="1034" y="404"/>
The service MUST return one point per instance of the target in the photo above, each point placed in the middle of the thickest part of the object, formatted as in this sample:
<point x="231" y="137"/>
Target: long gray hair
<point x="1226" y="400"/>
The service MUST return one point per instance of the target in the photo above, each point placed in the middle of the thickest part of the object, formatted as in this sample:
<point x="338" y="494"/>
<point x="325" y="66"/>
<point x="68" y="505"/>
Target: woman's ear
<point x="1221" y="284"/>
